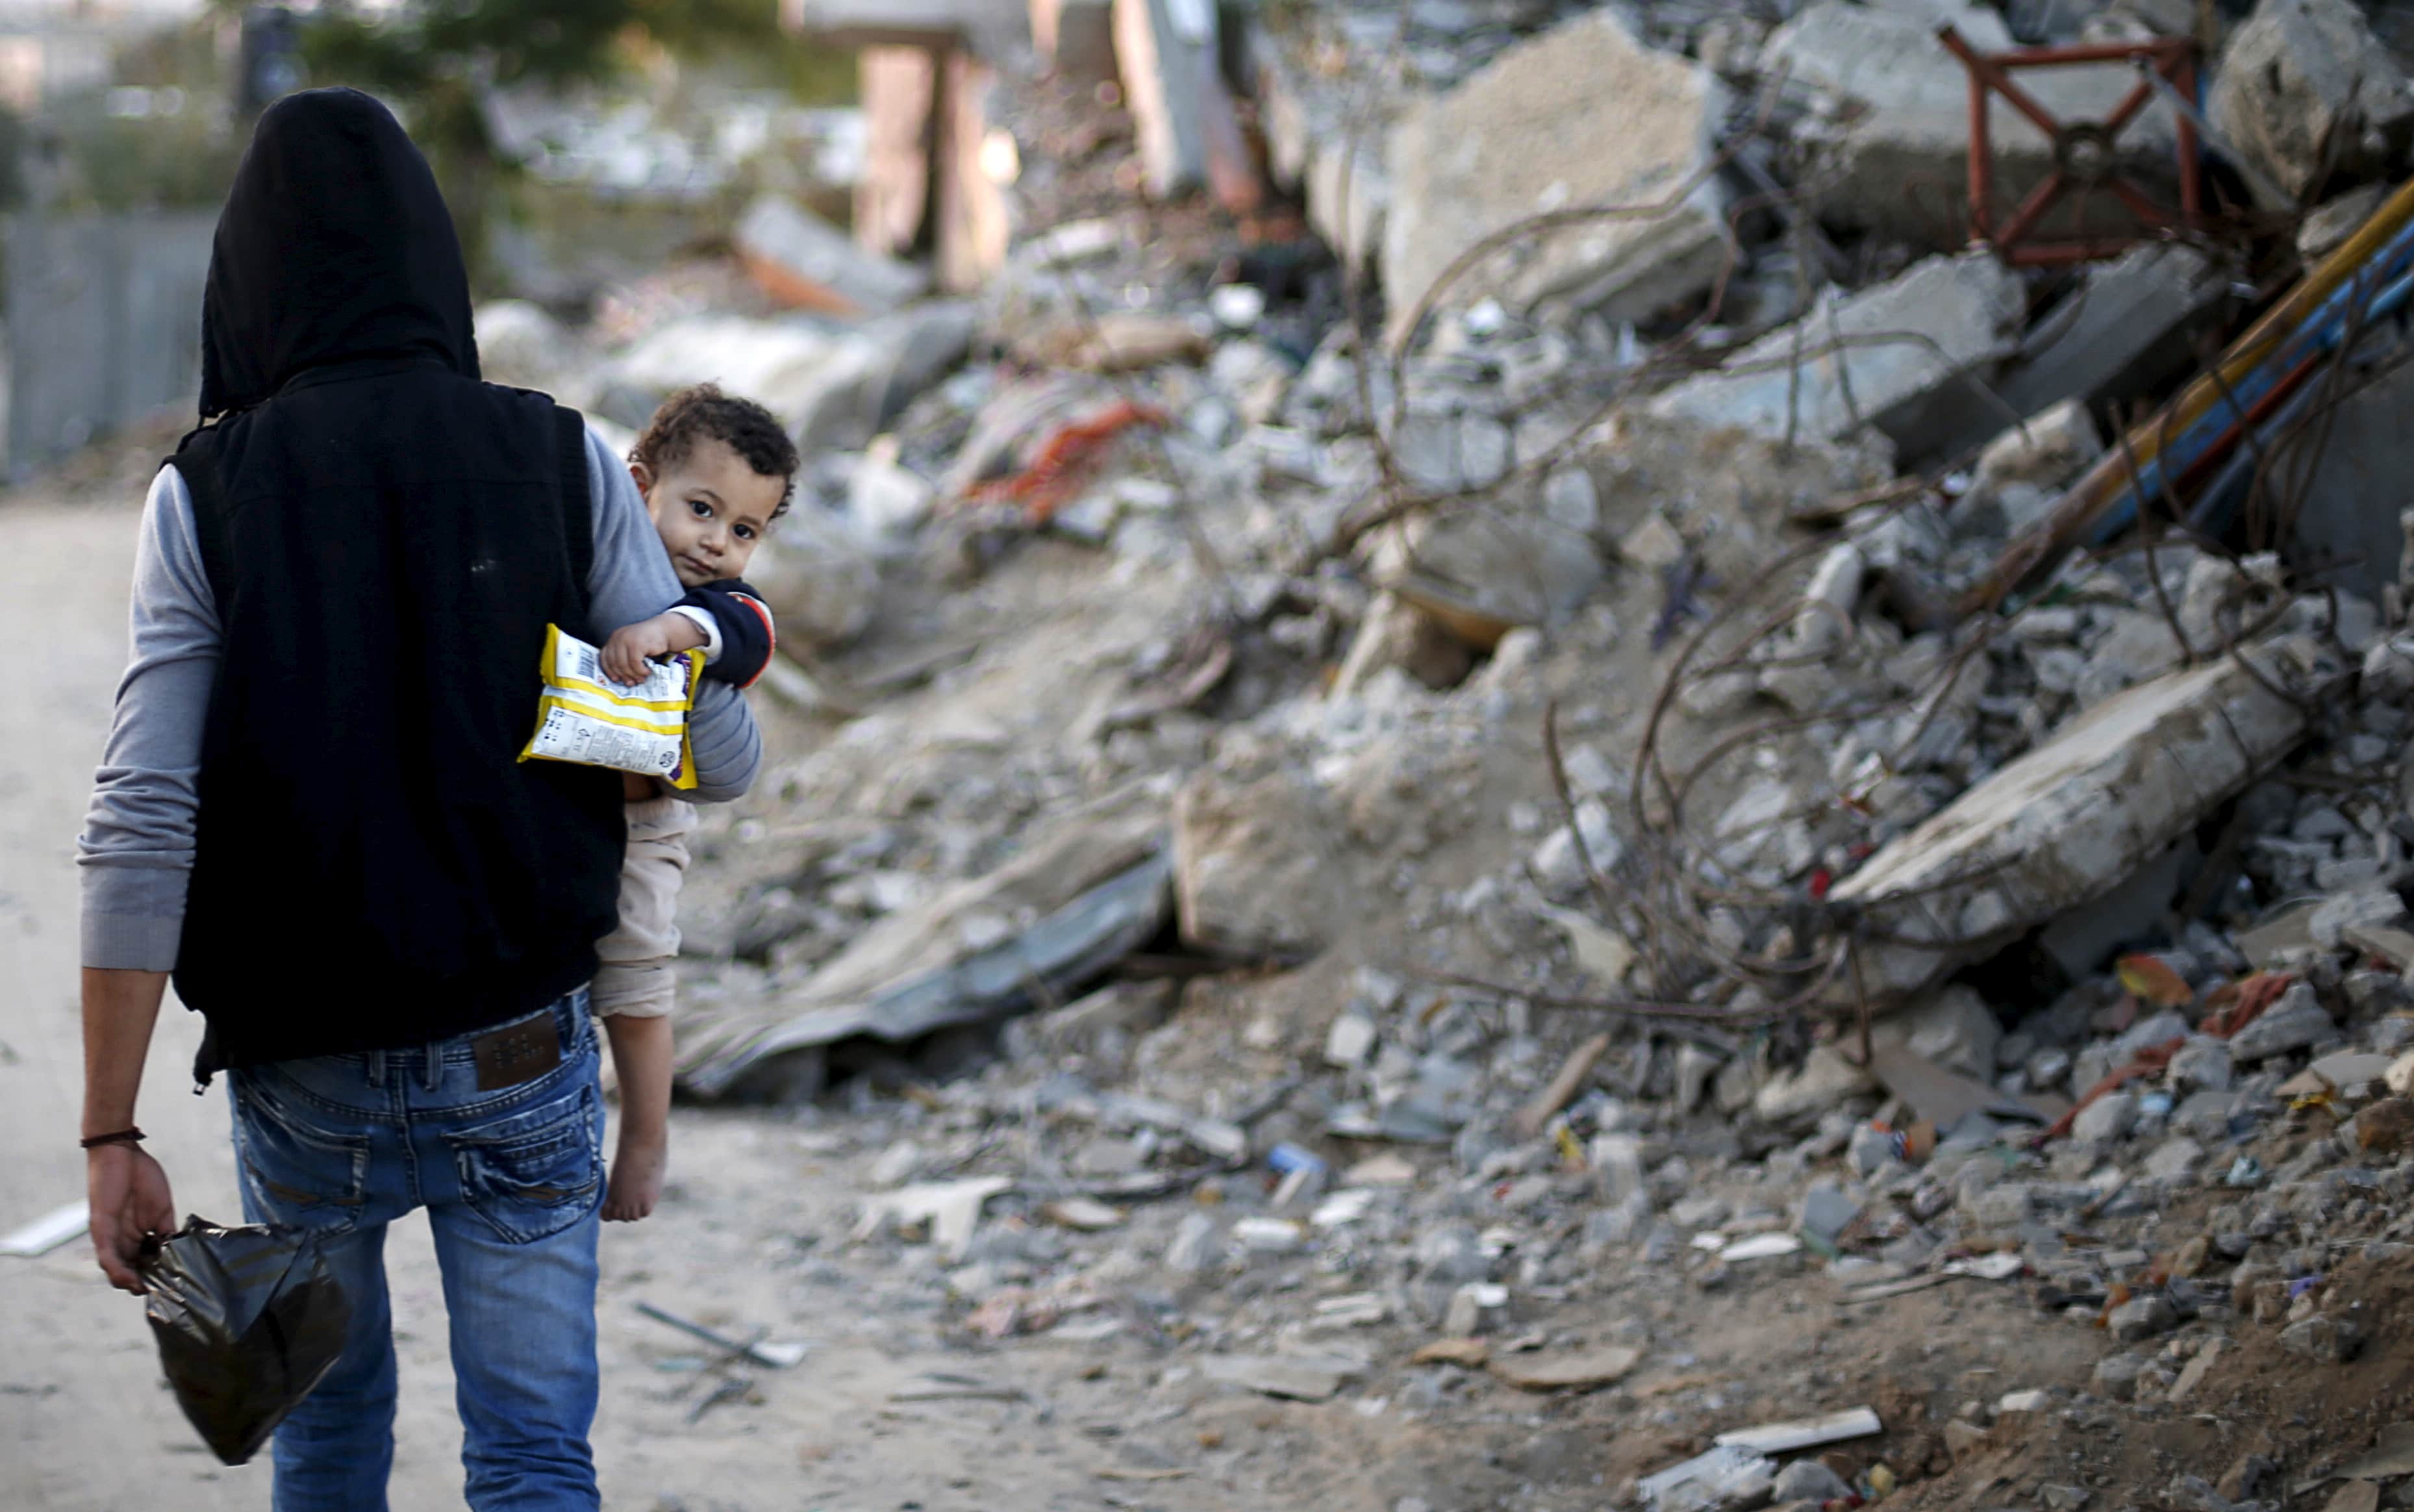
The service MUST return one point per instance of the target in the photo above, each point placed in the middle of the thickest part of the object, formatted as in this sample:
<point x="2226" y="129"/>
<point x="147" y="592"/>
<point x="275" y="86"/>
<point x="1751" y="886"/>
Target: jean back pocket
<point x="534" y="1172"/>
<point x="294" y="1169"/>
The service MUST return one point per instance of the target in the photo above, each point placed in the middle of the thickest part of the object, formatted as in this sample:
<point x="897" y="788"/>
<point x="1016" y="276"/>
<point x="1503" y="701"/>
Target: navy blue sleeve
<point x="747" y="636"/>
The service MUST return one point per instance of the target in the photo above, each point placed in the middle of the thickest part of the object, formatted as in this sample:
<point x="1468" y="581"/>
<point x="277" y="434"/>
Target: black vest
<point x="375" y="868"/>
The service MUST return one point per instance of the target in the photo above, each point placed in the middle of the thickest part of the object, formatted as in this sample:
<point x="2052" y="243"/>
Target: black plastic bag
<point x="249" y="1321"/>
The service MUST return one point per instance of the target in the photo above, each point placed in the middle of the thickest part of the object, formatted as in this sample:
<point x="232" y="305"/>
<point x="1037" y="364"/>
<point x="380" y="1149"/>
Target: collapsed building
<point x="1473" y="657"/>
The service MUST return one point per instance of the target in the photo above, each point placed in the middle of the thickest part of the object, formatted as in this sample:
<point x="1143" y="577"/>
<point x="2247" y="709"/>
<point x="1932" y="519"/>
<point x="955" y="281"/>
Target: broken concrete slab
<point x="2346" y="528"/>
<point x="1096" y="881"/>
<point x="1582" y="116"/>
<point x="1899" y="164"/>
<point x="2302" y="87"/>
<point x="1882" y="358"/>
<point x="1253" y="865"/>
<point x="2073" y="818"/>
<point x="2129" y="327"/>
<point x="803" y="261"/>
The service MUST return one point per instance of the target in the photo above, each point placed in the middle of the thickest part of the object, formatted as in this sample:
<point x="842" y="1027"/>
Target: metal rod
<point x="735" y="1347"/>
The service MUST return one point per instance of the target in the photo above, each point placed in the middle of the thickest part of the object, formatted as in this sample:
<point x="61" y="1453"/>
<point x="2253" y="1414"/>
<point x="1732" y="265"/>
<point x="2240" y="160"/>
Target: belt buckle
<point x="518" y="1053"/>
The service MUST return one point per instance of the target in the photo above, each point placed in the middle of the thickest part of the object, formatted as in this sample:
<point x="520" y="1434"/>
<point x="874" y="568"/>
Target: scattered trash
<point x="47" y="1232"/>
<point x="951" y="1208"/>
<point x="1723" y="1476"/>
<point x="1760" y="1247"/>
<point x="776" y="1354"/>
<point x="1803" y="1433"/>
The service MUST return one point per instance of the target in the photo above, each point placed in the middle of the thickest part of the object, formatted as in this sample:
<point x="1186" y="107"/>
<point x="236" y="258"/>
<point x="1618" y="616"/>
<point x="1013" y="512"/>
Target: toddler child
<point x="715" y="471"/>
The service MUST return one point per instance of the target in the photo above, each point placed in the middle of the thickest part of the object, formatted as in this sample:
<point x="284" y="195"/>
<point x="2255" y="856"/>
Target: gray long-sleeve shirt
<point x="137" y="846"/>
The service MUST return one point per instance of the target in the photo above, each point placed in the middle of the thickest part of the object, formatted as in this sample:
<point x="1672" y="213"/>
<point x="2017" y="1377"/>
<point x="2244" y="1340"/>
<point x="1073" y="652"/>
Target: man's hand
<point x="632" y="647"/>
<point x="130" y="1201"/>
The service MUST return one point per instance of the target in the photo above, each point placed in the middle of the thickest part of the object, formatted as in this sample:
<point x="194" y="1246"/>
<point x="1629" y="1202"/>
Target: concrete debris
<point x="1581" y="117"/>
<point x="1885" y="357"/>
<point x="2297" y="1021"/>
<point x="1721" y="1477"/>
<point x="2130" y="322"/>
<point x="1096" y="886"/>
<point x="2041" y="454"/>
<point x="2072" y="820"/>
<point x="2303" y="89"/>
<point x="2391" y="1456"/>
<point x="2323" y="1340"/>
<point x="829" y="387"/>
<point x="1480" y="573"/>
<point x="2349" y="523"/>
<point x="817" y="577"/>
<point x="803" y="261"/>
<point x="1905" y="104"/>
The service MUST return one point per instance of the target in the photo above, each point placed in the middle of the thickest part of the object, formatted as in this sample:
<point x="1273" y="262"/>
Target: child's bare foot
<point x="636" y="1182"/>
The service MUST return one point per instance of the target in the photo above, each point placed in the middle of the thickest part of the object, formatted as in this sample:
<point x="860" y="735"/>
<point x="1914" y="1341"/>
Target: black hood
<point x="334" y="246"/>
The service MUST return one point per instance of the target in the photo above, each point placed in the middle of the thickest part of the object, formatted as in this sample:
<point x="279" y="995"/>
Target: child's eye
<point x="699" y="509"/>
<point x="745" y="533"/>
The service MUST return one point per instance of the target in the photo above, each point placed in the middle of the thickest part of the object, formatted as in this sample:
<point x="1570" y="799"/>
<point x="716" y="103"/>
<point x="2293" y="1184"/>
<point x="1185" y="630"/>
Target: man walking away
<point x="312" y="809"/>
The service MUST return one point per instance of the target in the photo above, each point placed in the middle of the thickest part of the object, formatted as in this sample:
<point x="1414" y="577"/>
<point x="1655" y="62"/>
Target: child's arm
<point x="632" y="646"/>
<point x="641" y="1061"/>
<point x="745" y="638"/>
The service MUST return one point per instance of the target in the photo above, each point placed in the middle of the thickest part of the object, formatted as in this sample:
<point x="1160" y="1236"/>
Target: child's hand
<point x="626" y="655"/>
<point x="632" y="647"/>
<point x="636" y="1176"/>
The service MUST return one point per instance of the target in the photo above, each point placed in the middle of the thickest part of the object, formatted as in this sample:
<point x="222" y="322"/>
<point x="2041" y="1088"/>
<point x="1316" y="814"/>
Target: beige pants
<point x="635" y="976"/>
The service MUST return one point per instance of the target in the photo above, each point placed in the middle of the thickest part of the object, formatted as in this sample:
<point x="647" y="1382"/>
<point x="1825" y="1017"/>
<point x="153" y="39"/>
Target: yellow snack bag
<point x="589" y="721"/>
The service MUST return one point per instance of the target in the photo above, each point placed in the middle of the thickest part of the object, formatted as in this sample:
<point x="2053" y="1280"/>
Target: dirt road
<point x="86" y="1423"/>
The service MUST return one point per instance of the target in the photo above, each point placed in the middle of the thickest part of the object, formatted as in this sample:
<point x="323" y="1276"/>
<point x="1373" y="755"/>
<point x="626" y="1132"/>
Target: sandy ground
<point x="86" y="1423"/>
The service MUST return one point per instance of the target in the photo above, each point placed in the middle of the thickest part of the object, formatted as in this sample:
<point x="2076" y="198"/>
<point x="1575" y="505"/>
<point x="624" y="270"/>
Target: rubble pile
<point x="1430" y="791"/>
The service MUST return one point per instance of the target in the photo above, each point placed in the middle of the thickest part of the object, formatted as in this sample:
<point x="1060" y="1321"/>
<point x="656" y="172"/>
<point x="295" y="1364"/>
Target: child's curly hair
<point x="691" y="414"/>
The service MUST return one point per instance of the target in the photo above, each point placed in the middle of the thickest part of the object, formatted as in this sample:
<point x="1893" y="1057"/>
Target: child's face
<point x="711" y="509"/>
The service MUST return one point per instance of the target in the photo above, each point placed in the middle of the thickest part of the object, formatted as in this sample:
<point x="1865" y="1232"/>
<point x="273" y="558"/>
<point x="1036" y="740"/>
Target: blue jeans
<point x="513" y="1181"/>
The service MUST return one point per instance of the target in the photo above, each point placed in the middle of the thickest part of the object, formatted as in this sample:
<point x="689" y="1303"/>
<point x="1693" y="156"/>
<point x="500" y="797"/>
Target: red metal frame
<point x="2014" y="241"/>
